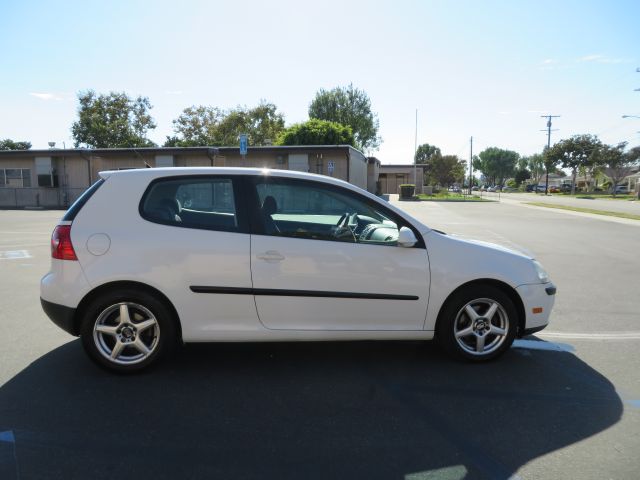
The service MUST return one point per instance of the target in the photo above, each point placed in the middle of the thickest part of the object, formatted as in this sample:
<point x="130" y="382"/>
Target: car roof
<point x="148" y="173"/>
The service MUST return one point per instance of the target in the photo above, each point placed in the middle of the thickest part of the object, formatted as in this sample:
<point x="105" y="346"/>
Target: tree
<point x="206" y="126"/>
<point x="535" y="165"/>
<point x="446" y="169"/>
<point x="616" y="163"/>
<point x="550" y="163"/>
<point x="520" y="176"/>
<point x="350" y="107"/>
<point x="316" y="132"/>
<point x="112" y="120"/>
<point x="574" y="153"/>
<point x="195" y="127"/>
<point x="497" y="164"/>
<point x="425" y="152"/>
<point x="425" y="155"/>
<point x="8" y="144"/>
<point x="634" y="156"/>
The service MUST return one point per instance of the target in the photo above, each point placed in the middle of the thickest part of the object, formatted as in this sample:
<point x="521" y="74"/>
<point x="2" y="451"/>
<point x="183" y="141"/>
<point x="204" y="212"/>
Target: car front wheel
<point x="478" y="323"/>
<point x="127" y="331"/>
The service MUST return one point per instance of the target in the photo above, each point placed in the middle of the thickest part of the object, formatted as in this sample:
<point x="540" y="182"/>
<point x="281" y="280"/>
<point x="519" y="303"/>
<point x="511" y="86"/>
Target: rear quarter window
<point x="207" y="203"/>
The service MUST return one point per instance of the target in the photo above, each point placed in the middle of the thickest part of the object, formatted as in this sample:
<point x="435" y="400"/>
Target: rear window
<point x="202" y="202"/>
<point x="81" y="201"/>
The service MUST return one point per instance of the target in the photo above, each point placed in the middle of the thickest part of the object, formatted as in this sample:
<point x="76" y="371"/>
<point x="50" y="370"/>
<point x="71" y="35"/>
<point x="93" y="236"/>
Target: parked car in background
<point x="554" y="189"/>
<point x="530" y="188"/>
<point x="621" y="189"/>
<point x="565" y="188"/>
<point x="267" y="255"/>
<point x="540" y="189"/>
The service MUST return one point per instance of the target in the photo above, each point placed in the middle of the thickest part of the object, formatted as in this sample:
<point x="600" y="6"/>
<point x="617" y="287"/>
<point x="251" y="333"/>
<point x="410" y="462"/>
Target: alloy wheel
<point x="481" y="326"/>
<point x="126" y="333"/>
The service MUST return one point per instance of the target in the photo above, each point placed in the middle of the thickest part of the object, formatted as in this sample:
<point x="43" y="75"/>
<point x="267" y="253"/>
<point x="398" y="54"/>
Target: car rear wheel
<point x="127" y="331"/>
<point x="479" y="323"/>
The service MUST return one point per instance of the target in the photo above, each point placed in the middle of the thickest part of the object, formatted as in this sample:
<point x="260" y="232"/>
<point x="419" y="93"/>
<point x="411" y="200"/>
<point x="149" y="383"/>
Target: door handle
<point x="271" y="256"/>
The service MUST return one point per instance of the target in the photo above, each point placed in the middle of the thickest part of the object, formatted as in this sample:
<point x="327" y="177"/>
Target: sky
<point x="487" y="69"/>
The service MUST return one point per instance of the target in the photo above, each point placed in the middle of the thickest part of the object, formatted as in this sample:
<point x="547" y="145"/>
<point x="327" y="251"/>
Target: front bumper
<point x="538" y="300"/>
<point x="62" y="316"/>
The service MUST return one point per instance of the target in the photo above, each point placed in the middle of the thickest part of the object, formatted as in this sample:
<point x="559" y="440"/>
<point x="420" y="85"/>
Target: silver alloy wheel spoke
<point x="117" y="349"/>
<point x="491" y="312"/>
<point x="140" y="327"/>
<point x="107" y="330"/>
<point x="471" y="312"/>
<point x="465" y="333"/>
<point x="497" y="331"/>
<point x="140" y="346"/>
<point x="124" y="314"/>
<point x="480" y="343"/>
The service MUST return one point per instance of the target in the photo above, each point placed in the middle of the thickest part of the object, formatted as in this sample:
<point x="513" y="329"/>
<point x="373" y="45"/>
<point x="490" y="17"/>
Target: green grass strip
<point x="451" y="198"/>
<point x="630" y="216"/>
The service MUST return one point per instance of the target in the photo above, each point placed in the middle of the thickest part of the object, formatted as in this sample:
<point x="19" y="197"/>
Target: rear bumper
<point x="60" y="315"/>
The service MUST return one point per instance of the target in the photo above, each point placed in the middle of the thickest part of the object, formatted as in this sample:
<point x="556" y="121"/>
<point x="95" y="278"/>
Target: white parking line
<point x="592" y="336"/>
<point x="14" y="254"/>
<point x="23" y="245"/>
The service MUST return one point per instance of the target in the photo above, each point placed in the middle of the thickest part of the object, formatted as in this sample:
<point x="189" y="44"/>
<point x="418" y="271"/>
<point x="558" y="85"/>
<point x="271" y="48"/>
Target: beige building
<point x="56" y="177"/>
<point x="392" y="176"/>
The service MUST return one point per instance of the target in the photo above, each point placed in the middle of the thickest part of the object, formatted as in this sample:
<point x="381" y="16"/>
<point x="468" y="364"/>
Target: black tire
<point x="478" y="339"/>
<point x="119" y="330"/>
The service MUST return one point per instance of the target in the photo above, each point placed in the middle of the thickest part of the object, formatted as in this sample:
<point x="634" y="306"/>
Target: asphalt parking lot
<point x="563" y="404"/>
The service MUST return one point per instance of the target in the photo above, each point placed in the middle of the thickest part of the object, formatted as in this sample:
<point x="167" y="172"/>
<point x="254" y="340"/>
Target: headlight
<point x="542" y="274"/>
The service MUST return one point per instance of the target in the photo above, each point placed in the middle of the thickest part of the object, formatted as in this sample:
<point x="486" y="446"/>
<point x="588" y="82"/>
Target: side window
<point x="293" y="208"/>
<point x="205" y="203"/>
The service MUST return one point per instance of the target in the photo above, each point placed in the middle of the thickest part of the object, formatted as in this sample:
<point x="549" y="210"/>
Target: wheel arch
<point x="502" y="286"/>
<point x="129" y="285"/>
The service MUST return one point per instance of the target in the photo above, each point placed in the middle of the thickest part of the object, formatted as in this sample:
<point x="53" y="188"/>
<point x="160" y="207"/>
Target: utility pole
<point x="415" y="160"/>
<point x="471" y="167"/>
<point x="548" y="117"/>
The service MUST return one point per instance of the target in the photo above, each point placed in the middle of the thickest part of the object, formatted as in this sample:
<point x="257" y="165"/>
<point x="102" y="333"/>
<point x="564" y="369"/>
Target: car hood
<point x="464" y="259"/>
<point x="514" y="250"/>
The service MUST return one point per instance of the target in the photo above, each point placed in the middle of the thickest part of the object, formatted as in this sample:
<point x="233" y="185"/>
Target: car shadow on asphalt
<point x="299" y="410"/>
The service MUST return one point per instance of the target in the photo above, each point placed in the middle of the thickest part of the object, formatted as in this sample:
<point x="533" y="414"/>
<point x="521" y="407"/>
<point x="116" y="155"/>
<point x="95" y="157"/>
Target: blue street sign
<point x="243" y="144"/>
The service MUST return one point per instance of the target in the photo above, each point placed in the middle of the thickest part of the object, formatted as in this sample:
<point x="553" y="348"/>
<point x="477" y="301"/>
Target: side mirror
<point x="406" y="238"/>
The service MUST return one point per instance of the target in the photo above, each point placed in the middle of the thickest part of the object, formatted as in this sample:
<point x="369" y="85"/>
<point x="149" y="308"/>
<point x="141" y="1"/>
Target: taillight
<point x="61" y="246"/>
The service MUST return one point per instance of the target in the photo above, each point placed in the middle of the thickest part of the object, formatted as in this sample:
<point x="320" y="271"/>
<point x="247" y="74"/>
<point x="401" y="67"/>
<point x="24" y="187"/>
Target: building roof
<point x="68" y="152"/>
<point x="403" y="165"/>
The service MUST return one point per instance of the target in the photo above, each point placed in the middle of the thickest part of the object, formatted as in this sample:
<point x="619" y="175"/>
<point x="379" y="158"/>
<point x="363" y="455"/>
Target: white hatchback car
<point x="149" y="259"/>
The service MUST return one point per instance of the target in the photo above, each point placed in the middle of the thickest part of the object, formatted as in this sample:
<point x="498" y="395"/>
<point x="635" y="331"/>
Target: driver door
<point x="312" y="269"/>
